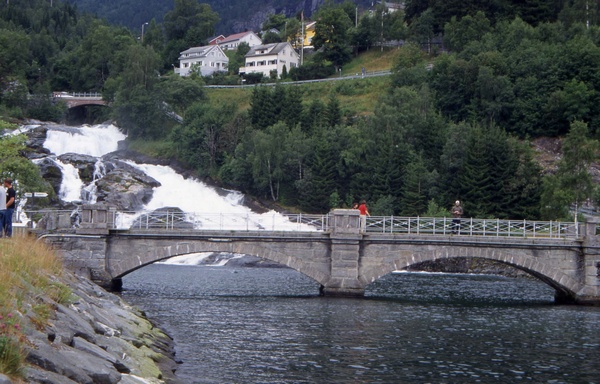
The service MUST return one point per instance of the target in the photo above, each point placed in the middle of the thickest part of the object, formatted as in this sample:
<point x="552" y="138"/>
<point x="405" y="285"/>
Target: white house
<point x="232" y="41"/>
<point x="266" y="58"/>
<point x="208" y="59"/>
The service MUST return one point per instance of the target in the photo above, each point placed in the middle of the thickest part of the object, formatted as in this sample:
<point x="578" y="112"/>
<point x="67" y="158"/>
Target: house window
<point x="186" y="65"/>
<point x="272" y="62"/>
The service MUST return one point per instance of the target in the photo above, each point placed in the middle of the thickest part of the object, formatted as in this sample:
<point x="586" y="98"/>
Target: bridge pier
<point x="345" y="255"/>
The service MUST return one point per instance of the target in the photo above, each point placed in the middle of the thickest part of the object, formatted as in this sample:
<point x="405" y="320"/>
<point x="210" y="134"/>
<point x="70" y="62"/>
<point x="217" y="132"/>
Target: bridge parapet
<point x="96" y="219"/>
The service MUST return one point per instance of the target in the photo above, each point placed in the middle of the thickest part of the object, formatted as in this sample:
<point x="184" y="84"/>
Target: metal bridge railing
<point x="173" y="220"/>
<point x="177" y="220"/>
<point x="471" y="227"/>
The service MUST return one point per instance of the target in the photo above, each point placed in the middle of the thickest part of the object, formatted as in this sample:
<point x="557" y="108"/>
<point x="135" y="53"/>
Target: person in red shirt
<point x="364" y="212"/>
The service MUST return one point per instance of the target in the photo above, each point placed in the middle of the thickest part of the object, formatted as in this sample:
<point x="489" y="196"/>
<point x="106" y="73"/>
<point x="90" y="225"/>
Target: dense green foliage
<point x="233" y="13"/>
<point x="449" y="126"/>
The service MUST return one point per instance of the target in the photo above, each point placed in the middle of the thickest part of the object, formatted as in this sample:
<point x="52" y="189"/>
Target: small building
<point x="208" y="60"/>
<point x="216" y="40"/>
<point x="309" y="33"/>
<point x="231" y="42"/>
<point x="270" y="57"/>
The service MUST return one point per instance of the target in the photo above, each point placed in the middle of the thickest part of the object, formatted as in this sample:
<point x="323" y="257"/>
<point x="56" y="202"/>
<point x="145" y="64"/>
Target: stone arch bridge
<point x="78" y="99"/>
<point x="342" y="259"/>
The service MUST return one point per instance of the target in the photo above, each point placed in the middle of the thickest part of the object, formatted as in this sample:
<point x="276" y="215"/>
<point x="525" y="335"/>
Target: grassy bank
<point x="29" y="273"/>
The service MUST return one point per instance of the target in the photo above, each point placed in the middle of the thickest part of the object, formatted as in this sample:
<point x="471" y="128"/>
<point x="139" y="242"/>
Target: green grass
<point x="29" y="270"/>
<point x="356" y="96"/>
<point x="372" y="60"/>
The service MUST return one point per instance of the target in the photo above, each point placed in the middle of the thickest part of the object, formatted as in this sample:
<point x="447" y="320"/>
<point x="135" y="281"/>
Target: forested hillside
<point x="235" y="15"/>
<point x="467" y="92"/>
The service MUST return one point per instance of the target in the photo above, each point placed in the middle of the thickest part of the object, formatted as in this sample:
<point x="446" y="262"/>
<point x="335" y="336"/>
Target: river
<point x="268" y="325"/>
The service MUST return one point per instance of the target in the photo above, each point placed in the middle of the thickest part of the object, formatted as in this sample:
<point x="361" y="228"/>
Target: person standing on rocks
<point x="10" y="208"/>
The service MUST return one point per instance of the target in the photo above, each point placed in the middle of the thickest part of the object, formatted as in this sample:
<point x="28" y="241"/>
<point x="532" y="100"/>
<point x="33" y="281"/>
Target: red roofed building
<point x="232" y="41"/>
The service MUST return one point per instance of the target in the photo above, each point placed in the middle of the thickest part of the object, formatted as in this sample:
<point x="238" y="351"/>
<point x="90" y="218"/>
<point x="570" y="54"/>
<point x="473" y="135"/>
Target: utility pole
<point x="587" y="14"/>
<point x="143" y="32"/>
<point x="302" y="37"/>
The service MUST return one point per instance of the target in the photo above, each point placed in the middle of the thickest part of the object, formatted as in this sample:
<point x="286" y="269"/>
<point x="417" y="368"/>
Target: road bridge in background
<point x="77" y="99"/>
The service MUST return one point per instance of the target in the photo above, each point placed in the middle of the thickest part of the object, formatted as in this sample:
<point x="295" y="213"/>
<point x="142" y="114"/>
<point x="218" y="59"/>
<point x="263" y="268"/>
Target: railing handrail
<point x="471" y="227"/>
<point x="175" y="219"/>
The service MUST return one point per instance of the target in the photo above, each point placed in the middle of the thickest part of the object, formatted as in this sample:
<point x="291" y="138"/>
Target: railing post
<point x="418" y="225"/>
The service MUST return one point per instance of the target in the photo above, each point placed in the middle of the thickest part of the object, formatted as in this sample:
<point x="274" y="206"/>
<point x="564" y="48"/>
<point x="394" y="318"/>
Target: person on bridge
<point x="364" y="212"/>
<point x="457" y="212"/>
<point x="10" y="207"/>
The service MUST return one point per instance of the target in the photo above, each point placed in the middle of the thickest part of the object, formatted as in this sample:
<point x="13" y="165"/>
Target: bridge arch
<point x="147" y="250"/>
<point x="537" y="263"/>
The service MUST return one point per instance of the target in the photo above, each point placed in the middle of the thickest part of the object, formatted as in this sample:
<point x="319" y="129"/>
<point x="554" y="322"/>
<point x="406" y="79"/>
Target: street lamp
<point x="143" y="32"/>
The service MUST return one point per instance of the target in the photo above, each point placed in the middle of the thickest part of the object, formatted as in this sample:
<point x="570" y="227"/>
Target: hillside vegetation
<point x="470" y="86"/>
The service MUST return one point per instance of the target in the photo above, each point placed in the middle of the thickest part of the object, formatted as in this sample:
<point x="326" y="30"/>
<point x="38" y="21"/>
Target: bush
<point x="311" y="71"/>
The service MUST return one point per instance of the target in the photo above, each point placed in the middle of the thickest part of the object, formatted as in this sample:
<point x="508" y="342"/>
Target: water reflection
<point x="269" y="326"/>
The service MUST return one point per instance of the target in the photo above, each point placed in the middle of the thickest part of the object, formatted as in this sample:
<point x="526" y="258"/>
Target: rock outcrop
<point x="112" y="180"/>
<point x="97" y="338"/>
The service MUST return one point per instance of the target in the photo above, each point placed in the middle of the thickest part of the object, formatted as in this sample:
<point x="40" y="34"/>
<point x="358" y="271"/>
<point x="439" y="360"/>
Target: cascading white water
<point x="94" y="140"/>
<point x="189" y="195"/>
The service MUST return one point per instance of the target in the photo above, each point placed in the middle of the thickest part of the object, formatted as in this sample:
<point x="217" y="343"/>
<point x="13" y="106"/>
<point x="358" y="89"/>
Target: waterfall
<point x="187" y="194"/>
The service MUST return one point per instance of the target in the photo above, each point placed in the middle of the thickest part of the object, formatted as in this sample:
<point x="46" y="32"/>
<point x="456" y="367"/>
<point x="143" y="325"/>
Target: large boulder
<point x="35" y="143"/>
<point x="85" y="165"/>
<point x="51" y="172"/>
<point x="125" y="187"/>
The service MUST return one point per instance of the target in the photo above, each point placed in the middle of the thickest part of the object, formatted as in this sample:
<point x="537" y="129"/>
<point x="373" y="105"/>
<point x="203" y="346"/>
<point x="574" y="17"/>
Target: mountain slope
<point x="236" y="15"/>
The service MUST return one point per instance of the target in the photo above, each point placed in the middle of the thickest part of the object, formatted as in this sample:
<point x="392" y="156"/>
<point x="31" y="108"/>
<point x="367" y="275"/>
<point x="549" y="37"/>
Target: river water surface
<point x="268" y="325"/>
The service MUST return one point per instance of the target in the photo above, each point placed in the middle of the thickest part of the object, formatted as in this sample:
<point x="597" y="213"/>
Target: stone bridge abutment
<point x="343" y="260"/>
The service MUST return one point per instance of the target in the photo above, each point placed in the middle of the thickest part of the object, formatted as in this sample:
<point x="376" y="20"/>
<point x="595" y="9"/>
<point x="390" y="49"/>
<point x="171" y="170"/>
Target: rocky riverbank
<point x="95" y="338"/>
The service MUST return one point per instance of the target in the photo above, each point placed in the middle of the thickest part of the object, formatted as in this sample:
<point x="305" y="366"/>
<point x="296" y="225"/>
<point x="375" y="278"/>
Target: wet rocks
<point x="125" y="187"/>
<point x="97" y="338"/>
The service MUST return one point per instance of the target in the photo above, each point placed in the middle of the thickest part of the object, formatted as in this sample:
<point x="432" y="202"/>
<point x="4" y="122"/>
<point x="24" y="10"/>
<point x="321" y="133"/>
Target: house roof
<point x="215" y="39"/>
<point x="270" y="49"/>
<point x="234" y="37"/>
<point x="197" y="51"/>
